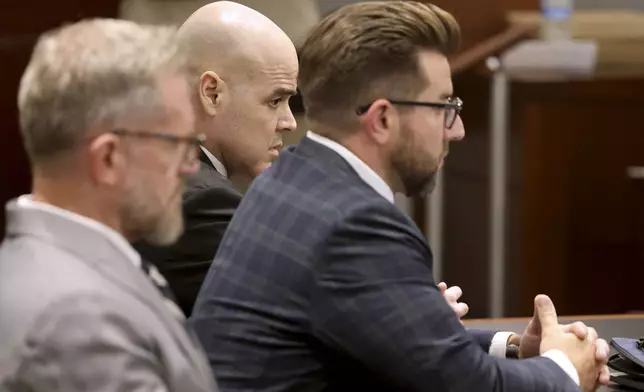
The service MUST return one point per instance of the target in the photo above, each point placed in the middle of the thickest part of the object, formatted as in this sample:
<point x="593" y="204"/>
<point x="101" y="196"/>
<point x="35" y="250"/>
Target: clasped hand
<point x="544" y="332"/>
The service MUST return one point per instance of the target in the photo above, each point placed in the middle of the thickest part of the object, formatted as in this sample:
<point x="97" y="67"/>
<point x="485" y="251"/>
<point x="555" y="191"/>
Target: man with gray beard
<point x="108" y="127"/>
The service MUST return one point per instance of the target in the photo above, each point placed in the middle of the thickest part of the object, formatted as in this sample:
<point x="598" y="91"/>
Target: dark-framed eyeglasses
<point x="193" y="143"/>
<point x="452" y="108"/>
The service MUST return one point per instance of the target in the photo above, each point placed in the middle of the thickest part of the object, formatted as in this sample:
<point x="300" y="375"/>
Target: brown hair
<point x="369" y="50"/>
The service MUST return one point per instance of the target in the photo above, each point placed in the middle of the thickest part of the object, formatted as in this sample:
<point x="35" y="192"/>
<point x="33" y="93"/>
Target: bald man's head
<point x="231" y="37"/>
<point x="245" y="69"/>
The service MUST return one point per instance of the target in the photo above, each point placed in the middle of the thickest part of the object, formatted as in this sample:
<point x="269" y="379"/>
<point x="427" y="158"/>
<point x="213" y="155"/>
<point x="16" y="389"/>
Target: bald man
<point x="244" y="70"/>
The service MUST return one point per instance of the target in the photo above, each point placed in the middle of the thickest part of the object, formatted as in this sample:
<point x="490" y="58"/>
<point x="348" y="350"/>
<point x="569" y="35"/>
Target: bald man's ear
<point x="211" y="89"/>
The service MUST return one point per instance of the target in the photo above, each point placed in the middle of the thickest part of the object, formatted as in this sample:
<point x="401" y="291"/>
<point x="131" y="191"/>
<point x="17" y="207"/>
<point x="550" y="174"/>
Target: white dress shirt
<point x="215" y="162"/>
<point x="369" y="176"/>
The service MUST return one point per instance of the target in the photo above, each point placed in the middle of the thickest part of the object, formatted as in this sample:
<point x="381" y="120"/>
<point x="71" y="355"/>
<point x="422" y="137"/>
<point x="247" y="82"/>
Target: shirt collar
<point x="215" y="162"/>
<point x="26" y="201"/>
<point x="366" y="173"/>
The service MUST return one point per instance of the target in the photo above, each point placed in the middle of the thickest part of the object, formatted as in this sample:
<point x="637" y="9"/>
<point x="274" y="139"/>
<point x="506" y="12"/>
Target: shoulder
<point x="208" y="178"/>
<point x="44" y="268"/>
<point x="312" y="196"/>
<point x="50" y="281"/>
<point x="376" y="221"/>
<point x="209" y="187"/>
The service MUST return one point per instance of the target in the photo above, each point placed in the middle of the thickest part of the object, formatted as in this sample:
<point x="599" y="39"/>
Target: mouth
<point x="275" y="150"/>
<point x="441" y="160"/>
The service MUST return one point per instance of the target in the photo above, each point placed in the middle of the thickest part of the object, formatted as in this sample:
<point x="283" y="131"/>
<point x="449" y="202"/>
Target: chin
<point x="420" y="188"/>
<point x="168" y="233"/>
<point x="262" y="167"/>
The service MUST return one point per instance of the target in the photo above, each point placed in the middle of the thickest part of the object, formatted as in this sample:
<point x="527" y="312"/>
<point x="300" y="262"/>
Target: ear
<point x="211" y="89"/>
<point x="106" y="159"/>
<point x="381" y="121"/>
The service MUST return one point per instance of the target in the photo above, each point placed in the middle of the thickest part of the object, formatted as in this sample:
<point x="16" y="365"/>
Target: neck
<point x="240" y="182"/>
<point x="211" y="144"/>
<point x="367" y="152"/>
<point x="77" y="197"/>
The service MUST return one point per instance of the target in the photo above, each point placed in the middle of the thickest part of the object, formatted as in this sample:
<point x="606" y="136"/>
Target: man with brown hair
<point x="320" y="282"/>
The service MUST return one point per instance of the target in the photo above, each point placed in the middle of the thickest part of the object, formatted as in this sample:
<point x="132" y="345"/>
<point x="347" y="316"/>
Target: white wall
<point x="295" y="17"/>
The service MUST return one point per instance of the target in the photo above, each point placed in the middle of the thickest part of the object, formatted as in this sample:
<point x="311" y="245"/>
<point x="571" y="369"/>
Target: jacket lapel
<point x="100" y="254"/>
<point x="203" y="158"/>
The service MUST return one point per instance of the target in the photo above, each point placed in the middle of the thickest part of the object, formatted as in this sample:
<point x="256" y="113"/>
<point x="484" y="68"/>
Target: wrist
<point x="514" y="340"/>
<point x="512" y="347"/>
<point x="512" y="352"/>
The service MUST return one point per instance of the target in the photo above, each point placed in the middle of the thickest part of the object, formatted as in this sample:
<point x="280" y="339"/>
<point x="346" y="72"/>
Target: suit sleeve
<point x="376" y="301"/>
<point x="483" y="338"/>
<point x="207" y="213"/>
<point x="85" y="344"/>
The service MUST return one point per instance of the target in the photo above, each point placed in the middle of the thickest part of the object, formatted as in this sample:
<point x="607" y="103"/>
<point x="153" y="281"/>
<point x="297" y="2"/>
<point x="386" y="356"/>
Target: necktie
<point x="162" y="285"/>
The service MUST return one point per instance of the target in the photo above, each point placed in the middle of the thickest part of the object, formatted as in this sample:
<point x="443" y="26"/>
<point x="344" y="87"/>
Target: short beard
<point x="417" y="173"/>
<point x="145" y="217"/>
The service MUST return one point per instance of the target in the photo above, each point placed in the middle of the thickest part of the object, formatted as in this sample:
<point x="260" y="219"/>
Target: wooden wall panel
<point x="582" y="223"/>
<point x="479" y="20"/>
<point x="576" y="220"/>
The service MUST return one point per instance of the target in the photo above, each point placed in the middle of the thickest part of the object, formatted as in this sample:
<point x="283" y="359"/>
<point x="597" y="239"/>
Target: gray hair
<point x="94" y="73"/>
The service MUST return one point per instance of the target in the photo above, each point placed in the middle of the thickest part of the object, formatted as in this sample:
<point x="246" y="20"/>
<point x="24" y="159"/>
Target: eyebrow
<point x="447" y="96"/>
<point x="284" y="92"/>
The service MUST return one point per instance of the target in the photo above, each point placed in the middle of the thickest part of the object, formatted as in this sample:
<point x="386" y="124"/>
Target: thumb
<point x="453" y="293"/>
<point x="546" y="312"/>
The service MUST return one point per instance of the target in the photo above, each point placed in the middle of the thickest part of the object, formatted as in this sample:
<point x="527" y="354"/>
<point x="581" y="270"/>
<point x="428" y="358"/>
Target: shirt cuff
<point x="564" y="363"/>
<point x="499" y="344"/>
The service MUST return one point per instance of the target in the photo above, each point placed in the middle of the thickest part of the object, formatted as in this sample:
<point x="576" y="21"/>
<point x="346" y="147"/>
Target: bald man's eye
<point x="276" y="102"/>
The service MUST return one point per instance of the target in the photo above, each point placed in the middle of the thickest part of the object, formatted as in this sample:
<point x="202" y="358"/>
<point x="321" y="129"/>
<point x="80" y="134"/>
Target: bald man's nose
<point x="457" y="132"/>
<point x="288" y="122"/>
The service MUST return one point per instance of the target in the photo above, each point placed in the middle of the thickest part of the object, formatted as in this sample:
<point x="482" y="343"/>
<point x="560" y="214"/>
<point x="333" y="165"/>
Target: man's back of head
<point x="243" y="71"/>
<point x="106" y="122"/>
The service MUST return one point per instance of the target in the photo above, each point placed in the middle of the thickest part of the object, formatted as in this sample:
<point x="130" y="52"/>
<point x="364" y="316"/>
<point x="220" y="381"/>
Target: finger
<point x="453" y="293"/>
<point x="461" y="309"/>
<point x="601" y="351"/>
<point x="547" y="314"/>
<point x="442" y="286"/>
<point x="592" y="335"/>
<point x="578" y="328"/>
<point x="604" y="376"/>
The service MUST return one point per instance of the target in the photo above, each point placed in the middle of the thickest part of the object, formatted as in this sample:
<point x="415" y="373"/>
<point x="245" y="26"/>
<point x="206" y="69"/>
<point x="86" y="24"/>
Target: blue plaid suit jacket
<point x="320" y="284"/>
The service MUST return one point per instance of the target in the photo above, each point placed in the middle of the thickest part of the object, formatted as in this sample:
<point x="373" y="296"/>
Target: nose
<point x="457" y="132"/>
<point x="287" y="123"/>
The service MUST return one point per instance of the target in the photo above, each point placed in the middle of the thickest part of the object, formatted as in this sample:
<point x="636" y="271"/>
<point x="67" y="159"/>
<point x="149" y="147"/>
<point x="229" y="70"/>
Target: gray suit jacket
<point x="77" y="315"/>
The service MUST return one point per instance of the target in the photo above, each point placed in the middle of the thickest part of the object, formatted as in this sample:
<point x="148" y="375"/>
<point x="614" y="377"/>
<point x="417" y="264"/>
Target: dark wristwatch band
<point x="512" y="351"/>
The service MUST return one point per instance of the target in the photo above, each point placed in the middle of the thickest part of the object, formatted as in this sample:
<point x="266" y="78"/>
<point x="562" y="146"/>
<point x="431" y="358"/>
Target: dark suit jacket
<point x="209" y="202"/>
<point x="321" y="284"/>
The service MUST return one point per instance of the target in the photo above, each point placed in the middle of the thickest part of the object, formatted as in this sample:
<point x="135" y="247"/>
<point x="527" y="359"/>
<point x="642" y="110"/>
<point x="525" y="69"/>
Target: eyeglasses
<point x="193" y="143"/>
<point x="452" y="108"/>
